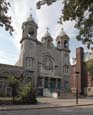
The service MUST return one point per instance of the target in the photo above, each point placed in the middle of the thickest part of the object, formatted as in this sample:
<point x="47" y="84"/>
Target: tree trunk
<point x="13" y="94"/>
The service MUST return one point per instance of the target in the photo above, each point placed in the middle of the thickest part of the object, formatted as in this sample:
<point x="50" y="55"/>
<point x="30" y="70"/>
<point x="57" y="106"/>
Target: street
<point x="81" y="110"/>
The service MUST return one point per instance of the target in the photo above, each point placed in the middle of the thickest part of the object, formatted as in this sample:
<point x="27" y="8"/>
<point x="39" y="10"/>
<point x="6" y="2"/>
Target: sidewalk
<point x="45" y="103"/>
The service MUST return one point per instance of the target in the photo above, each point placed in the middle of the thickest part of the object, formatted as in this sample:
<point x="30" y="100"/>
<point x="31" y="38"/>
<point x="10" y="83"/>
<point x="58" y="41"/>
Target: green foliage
<point x="5" y="100"/>
<point x="90" y="68"/>
<point x="13" y="83"/>
<point x="42" y="2"/>
<point x="82" y="12"/>
<point x="5" y="20"/>
<point x="28" y="94"/>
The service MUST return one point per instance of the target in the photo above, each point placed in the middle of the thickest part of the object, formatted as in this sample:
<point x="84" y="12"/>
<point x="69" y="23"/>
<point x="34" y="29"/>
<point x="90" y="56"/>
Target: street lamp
<point x="77" y="73"/>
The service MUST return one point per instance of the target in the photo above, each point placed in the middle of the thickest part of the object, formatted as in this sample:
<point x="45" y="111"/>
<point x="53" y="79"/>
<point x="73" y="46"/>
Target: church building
<point x="47" y="65"/>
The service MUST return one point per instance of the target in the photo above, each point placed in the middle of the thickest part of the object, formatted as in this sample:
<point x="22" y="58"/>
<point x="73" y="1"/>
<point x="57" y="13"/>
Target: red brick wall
<point x="72" y="78"/>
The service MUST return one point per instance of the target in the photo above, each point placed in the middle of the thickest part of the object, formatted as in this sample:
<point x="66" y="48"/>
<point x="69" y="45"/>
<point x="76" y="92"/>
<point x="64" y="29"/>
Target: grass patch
<point x="5" y="100"/>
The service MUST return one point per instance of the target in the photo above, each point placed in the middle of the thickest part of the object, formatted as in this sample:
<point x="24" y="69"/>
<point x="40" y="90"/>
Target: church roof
<point x="30" y="18"/>
<point x="62" y="33"/>
<point x="47" y="34"/>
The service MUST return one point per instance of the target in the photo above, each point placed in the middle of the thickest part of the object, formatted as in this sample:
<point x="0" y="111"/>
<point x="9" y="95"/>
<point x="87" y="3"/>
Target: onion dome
<point x="30" y="18"/>
<point x="62" y="33"/>
<point x="47" y="36"/>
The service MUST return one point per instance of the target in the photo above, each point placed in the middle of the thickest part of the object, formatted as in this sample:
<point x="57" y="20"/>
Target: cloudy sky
<point x="45" y="17"/>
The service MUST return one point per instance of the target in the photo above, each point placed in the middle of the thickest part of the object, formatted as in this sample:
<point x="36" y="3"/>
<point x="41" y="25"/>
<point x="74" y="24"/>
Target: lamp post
<point x="77" y="73"/>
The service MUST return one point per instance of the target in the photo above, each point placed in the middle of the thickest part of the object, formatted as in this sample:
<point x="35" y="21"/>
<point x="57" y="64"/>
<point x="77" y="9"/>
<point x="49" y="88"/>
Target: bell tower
<point x="29" y="29"/>
<point x="28" y="42"/>
<point x="62" y="40"/>
<point x="28" y="54"/>
<point x="47" y="39"/>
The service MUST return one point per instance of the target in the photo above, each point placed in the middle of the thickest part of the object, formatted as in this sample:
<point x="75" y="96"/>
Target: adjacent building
<point x="85" y="82"/>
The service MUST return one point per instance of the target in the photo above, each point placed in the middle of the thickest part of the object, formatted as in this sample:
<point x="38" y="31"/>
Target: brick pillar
<point x="79" y="67"/>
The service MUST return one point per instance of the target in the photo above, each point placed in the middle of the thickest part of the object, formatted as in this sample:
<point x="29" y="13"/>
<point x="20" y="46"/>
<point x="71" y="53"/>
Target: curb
<point x="33" y="108"/>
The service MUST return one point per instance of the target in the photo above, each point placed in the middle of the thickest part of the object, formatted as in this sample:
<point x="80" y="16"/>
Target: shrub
<point x="28" y="94"/>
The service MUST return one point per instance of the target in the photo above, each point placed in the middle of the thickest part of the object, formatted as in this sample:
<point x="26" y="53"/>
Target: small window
<point x="48" y="44"/>
<point x="65" y="68"/>
<point x="58" y="44"/>
<point x="65" y="44"/>
<point x="29" y="62"/>
<point x="9" y="91"/>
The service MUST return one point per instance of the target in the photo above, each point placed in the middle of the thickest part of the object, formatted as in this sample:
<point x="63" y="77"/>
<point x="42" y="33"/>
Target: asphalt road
<point x="81" y="110"/>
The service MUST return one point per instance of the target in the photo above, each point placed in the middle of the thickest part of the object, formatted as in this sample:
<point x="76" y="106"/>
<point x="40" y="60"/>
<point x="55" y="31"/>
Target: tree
<point x="5" y="20"/>
<point x="90" y="68"/>
<point x="13" y="83"/>
<point x="79" y="10"/>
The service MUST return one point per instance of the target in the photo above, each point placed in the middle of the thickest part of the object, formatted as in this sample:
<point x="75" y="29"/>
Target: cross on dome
<point x="62" y="33"/>
<point x="47" y="29"/>
<point x="30" y="18"/>
<point x="47" y="32"/>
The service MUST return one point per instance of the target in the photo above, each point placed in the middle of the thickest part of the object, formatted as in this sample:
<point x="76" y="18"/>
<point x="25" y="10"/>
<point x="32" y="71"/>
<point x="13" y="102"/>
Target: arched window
<point x="65" y="44"/>
<point x="31" y="32"/>
<point x="48" y="44"/>
<point x="58" y="44"/>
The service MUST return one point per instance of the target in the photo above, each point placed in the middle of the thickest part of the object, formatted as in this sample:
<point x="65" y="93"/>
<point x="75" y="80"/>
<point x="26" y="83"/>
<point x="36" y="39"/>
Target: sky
<point x="45" y="17"/>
